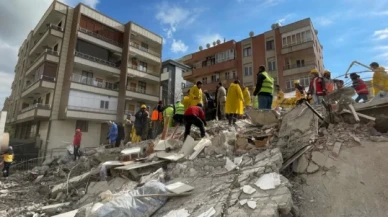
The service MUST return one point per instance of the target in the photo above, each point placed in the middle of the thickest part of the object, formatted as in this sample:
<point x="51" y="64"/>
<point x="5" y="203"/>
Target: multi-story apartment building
<point x="288" y="52"/>
<point x="172" y="82"/>
<point x="78" y="68"/>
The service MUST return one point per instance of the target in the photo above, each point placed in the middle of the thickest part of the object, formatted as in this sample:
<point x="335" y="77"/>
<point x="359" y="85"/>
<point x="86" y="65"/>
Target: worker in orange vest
<point x="157" y="120"/>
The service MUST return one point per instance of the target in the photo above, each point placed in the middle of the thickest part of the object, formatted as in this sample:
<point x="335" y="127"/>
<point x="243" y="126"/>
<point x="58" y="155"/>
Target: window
<point x="214" y="78"/>
<point x="299" y="63"/>
<point x="47" y="101"/>
<point x="212" y="61"/>
<point x="104" y="104"/>
<point x="99" y="82"/>
<point x="204" y="80"/>
<point x="270" y="45"/>
<point x="87" y="77"/>
<point x="227" y="75"/>
<point x="142" y="86"/>
<point x="142" y="66"/>
<point x="144" y="46"/>
<point x="297" y="38"/>
<point x="82" y="125"/>
<point x="234" y="74"/>
<point x="60" y="24"/>
<point x="247" y="51"/>
<point x="204" y="63"/>
<point x="271" y="64"/>
<point x="131" y="109"/>
<point x="55" y="47"/>
<point x="248" y="70"/>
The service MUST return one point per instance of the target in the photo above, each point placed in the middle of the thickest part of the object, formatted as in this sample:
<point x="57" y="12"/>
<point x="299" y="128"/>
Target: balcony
<point x="298" y="68"/>
<point x="93" y="85"/>
<point x="137" y="50"/>
<point x="206" y="70"/>
<point x="142" y="73"/>
<point x="96" y="63"/>
<point x="47" y="55"/>
<point x="55" y="13"/>
<point x="40" y="86"/>
<point x="35" y="111"/>
<point x="146" y="34"/>
<point x="103" y="41"/>
<point x="142" y="94"/>
<point x="187" y="73"/>
<point x="87" y="113"/>
<point x="52" y="35"/>
<point x="297" y="47"/>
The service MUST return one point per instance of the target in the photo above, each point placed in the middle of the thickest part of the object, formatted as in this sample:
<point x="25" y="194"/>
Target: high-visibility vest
<point x="267" y="86"/>
<point x="179" y="108"/>
<point x="156" y="115"/>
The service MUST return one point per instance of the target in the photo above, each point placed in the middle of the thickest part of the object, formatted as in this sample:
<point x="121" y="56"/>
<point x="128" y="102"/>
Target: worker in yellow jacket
<point x="247" y="97"/>
<point x="7" y="161"/>
<point x="300" y="92"/>
<point x="380" y="78"/>
<point x="279" y="98"/>
<point x="186" y="100"/>
<point x="234" y="105"/>
<point x="196" y="94"/>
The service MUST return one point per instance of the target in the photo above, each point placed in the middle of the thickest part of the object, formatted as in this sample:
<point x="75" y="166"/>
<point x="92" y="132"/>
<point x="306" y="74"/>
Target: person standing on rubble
<point x="360" y="87"/>
<point x="141" y="121"/>
<point x="317" y="88"/>
<point x="300" y="92"/>
<point x="264" y="88"/>
<point x="221" y="99"/>
<point x="247" y="97"/>
<point x="186" y="100"/>
<point x="178" y="113"/>
<point x="77" y="143"/>
<point x="279" y="96"/>
<point x="7" y="161"/>
<point x="234" y="105"/>
<point x="120" y="134"/>
<point x="128" y="124"/>
<point x="156" y="119"/>
<point x="113" y="133"/>
<point x="168" y="114"/>
<point x="196" y="94"/>
<point x="329" y="83"/>
<point x="380" y="78"/>
<point x="194" y="116"/>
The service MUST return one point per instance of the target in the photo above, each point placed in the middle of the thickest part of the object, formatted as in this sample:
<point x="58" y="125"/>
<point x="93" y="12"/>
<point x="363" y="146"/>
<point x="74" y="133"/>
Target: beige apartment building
<point x="77" y="69"/>
<point x="289" y="52"/>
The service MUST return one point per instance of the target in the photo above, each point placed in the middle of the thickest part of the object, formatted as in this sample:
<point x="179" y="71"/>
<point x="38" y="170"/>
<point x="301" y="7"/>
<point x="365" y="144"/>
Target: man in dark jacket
<point x="194" y="115"/>
<point x="264" y="88"/>
<point x="141" y="121"/>
<point x="120" y="135"/>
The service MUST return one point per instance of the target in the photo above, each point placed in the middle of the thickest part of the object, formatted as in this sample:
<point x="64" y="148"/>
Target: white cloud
<point x="209" y="38"/>
<point x="285" y="18"/>
<point x="324" y="21"/>
<point x="5" y="86"/>
<point x="178" y="46"/>
<point x="381" y="34"/>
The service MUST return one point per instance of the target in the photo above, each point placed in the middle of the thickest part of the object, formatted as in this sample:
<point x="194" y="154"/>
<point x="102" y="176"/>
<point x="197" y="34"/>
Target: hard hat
<point x="326" y="72"/>
<point x="314" y="71"/>
<point x="296" y="81"/>
<point x="143" y="106"/>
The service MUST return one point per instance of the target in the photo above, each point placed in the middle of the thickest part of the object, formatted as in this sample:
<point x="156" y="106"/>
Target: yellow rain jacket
<point x="8" y="158"/>
<point x="195" y="92"/>
<point x="299" y="95"/>
<point x="379" y="81"/>
<point x="234" y="100"/>
<point x="279" y="99"/>
<point x="186" y="102"/>
<point x="247" y="97"/>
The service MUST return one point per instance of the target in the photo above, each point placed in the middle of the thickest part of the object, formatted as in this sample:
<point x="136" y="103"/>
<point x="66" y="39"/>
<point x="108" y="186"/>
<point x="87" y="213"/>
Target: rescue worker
<point x="120" y="134"/>
<point x="247" y="97"/>
<point x="168" y="114"/>
<point x="186" y="100"/>
<point x="264" y="88"/>
<point x="194" y="116"/>
<point x="234" y="105"/>
<point x="178" y="113"/>
<point x="128" y="124"/>
<point x="7" y="161"/>
<point x="141" y="121"/>
<point x="280" y="96"/>
<point x="329" y="83"/>
<point x="196" y="94"/>
<point x="360" y="87"/>
<point x="77" y="143"/>
<point x="317" y="88"/>
<point x="380" y="79"/>
<point x="221" y="99"/>
<point x="156" y="119"/>
<point x="300" y="93"/>
<point x="113" y="133"/>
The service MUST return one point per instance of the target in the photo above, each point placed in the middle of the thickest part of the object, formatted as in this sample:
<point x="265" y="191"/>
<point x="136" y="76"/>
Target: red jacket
<point x="360" y="86"/>
<point x="317" y="86"/>
<point x="196" y="111"/>
<point x="77" y="139"/>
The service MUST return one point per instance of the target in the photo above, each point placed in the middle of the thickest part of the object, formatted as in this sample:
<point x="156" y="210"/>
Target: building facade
<point x="172" y="83"/>
<point x="77" y="69"/>
<point x="288" y="52"/>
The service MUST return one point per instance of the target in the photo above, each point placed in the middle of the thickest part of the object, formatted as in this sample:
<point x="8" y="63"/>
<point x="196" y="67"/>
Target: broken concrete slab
<point x="260" y="117"/>
<point x="268" y="181"/>
<point x="178" y="213"/>
<point x="379" y="138"/>
<point x="312" y="168"/>
<point x="188" y="146"/>
<point x="54" y="208"/>
<point x="247" y="189"/>
<point x="318" y="158"/>
<point x="300" y="165"/>
<point x="229" y="165"/>
<point x="170" y="156"/>
<point x="137" y="165"/>
<point x="73" y="181"/>
<point x="336" y="149"/>
<point x="67" y="214"/>
<point x="199" y="147"/>
<point x="179" y="187"/>
<point x="209" y="213"/>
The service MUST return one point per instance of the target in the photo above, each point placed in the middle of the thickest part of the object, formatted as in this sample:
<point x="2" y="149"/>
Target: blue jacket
<point x="113" y="132"/>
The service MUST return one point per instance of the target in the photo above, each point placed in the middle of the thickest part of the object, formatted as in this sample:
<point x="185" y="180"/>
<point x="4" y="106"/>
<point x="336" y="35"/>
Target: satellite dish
<point x="200" y="48"/>
<point x="214" y="43"/>
<point x="208" y="45"/>
<point x="218" y="41"/>
<point x="251" y="33"/>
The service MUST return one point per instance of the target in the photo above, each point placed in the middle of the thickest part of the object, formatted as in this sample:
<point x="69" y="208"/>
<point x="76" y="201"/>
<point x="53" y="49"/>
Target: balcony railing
<point x="36" y="105"/>
<point x="140" y="69"/>
<point x="93" y="82"/>
<point x="140" y="90"/>
<point x="293" y="66"/>
<point x="49" y="26"/>
<point x="96" y="35"/>
<point x="46" y="51"/>
<point x="40" y="78"/>
<point x="95" y="59"/>
<point x="145" y="49"/>
<point x="87" y="109"/>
